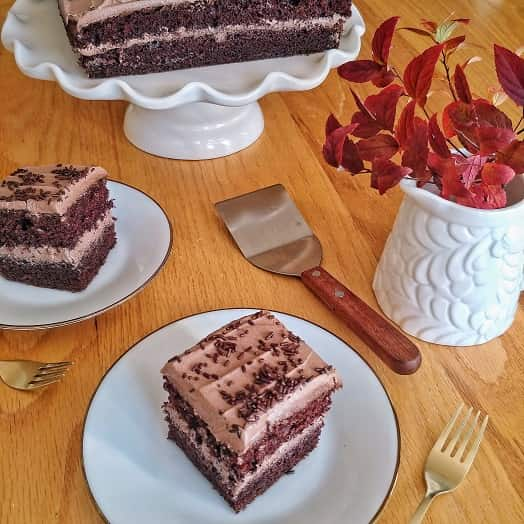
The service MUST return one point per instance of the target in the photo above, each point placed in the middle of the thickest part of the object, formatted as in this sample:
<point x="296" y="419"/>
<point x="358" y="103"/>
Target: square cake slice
<point x="247" y="403"/>
<point x="56" y="225"/>
<point x="124" y="37"/>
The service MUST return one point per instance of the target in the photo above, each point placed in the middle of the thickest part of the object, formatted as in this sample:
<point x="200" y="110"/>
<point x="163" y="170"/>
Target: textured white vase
<point x="450" y="274"/>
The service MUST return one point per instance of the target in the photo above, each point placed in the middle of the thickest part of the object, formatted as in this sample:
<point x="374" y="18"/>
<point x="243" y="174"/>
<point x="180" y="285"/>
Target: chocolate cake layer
<point x="205" y="50"/>
<point x="274" y="436"/>
<point x="124" y="20"/>
<point x="298" y="449"/>
<point x="62" y="276"/>
<point x="22" y="227"/>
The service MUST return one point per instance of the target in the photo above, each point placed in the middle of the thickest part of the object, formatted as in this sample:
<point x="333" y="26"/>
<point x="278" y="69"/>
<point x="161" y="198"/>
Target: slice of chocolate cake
<point x="247" y="403"/>
<point x="123" y="37"/>
<point x="56" y="226"/>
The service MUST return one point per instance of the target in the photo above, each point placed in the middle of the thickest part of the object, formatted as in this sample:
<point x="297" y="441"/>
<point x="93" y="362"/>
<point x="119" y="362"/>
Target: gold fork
<point x="446" y="466"/>
<point x="28" y="375"/>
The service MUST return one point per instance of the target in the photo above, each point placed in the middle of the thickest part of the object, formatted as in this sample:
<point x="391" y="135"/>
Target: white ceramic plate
<point x="144" y="239"/>
<point x="136" y="475"/>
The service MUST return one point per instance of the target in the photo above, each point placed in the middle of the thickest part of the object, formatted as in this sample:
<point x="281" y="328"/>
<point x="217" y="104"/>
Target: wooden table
<point x="41" y="478"/>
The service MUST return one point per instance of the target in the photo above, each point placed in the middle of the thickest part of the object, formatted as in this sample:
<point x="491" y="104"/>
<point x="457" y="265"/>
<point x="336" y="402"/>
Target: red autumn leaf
<point x="359" y="71"/>
<point x="333" y="147"/>
<point x="489" y="115"/>
<point x="419" y="73"/>
<point x="513" y="156"/>
<point x="459" y="119"/>
<point x="510" y="72"/>
<point x="383" y="106"/>
<point x="379" y="146"/>
<point x="494" y="174"/>
<point x="483" y="196"/>
<point x="331" y="124"/>
<point x="377" y="112"/>
<point x="385" y="174"/>
<point x="471" y="60"/>
<point x="405" y="123"/>
<point x="361" y="105"/>
<point x="381" y="44"/>
<point x="416" y="148"/>
<point x="384" y="77"/>
<point x="453" y="43"/>
<point x="366" y="127"/>
<point x="429" y="25"/>
<point x="461" y="85"/>
<point x="437" y="140"/>
<point x="448" y="175"/>
<point x="418" y="31"/>
<point x="424" y="178"/>
<point x="469" y="169"/>
<point x="493" y="139"/>
<point x="464" y="21"/>
<point x="351" y="160"/>
<point x="465" y="121"/>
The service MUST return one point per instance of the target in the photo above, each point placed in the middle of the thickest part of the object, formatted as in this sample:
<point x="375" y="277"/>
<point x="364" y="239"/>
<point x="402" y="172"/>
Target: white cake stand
<point x="192" y="114"/>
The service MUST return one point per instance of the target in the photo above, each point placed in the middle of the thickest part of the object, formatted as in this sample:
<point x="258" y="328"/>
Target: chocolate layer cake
<point x="247" y="403"/>
<point x="123" y="37"/>
<point x="56" y="226"/>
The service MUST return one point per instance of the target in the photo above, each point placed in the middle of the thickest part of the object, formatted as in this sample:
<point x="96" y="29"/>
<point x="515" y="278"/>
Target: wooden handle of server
<point x="392" y="346"/>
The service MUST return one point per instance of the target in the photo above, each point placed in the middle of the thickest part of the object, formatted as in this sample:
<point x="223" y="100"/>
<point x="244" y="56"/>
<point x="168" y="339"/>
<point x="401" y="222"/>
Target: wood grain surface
<point x="41" y="478"/>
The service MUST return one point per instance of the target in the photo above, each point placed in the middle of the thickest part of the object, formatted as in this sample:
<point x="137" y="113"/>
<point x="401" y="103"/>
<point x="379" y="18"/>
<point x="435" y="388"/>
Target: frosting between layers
<point x="221" y="468"/>
<point x="55" y="255"/>
<point x="54" y="193"/>
<point x="219" y="33"/>
<point x="210" y="383"/>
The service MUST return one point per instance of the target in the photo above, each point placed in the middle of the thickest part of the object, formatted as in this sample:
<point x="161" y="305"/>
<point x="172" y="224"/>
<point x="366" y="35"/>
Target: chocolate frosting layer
<point x="86" y="12"/>
<point x="248" y="374"/>
<point x="47" y="189"/>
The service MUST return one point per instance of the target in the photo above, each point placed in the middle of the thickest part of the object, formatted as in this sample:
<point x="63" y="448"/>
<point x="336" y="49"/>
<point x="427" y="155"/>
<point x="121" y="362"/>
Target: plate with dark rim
<point x="136" y="475"/>
<point x="144" y="238"/>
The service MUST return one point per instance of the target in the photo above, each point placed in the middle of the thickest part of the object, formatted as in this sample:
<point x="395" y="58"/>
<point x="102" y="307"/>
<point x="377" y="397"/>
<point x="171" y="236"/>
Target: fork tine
<point x="447" y="430"/>
<point x="47" y="378"/>
<point x="42" y="384"/>
<point x="52" y="365"/>
<point x="51" y="371"/>
<point x="470" y="457"/>
<point x="460" y="450"/>
<point x="458" y="432"/>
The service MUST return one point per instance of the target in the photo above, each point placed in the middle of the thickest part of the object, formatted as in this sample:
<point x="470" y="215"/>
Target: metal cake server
<point x="273" y="235"/>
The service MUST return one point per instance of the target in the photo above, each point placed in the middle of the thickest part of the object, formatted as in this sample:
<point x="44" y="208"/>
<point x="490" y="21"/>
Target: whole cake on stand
<point x="123" y="37"/>
<point x="197" y="113"/>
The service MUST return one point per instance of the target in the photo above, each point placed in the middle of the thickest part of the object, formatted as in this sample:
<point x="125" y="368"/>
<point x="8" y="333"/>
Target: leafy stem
<point x="448" y="75"/>
<point x="397" y="74"/>
<point x="519" y="122"/>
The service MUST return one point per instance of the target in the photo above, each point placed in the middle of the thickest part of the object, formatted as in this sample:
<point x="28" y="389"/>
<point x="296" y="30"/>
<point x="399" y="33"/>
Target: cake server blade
<point x="272" y="234"/>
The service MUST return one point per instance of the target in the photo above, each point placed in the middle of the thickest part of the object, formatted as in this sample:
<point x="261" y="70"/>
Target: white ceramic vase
<point x="451" y="274"/>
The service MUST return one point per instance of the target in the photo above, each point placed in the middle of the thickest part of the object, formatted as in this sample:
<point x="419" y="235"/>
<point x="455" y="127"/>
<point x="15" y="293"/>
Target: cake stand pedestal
<point x="191" y="114"/>
<point x="194" y="131"/>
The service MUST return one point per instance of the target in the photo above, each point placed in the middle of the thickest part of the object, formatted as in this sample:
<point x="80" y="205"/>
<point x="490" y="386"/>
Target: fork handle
<point x="423" y="507"/>
<point x="392" y="346"/>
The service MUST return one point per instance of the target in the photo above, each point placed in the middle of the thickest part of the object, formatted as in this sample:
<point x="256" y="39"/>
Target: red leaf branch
<point x="491" y="154"/>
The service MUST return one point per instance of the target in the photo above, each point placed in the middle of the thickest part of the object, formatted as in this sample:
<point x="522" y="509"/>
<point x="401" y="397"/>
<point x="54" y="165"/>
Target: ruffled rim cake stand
<point x="191" y="114"/>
